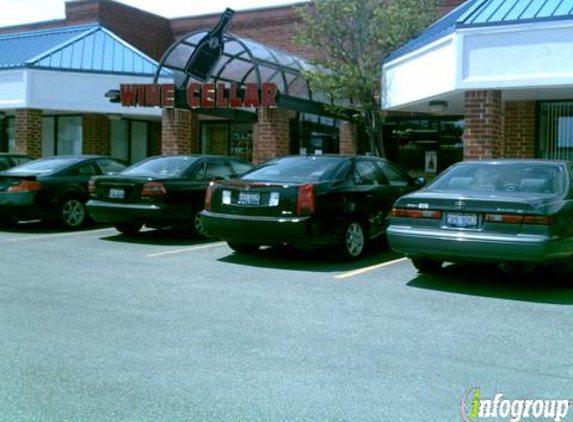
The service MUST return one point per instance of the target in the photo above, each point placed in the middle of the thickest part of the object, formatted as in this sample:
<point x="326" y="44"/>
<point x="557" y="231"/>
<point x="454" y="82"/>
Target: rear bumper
<point x="20" y="205"/>
<point x="261" y="230"/>
<point x="151" y="214"/>
<point x="465" y="246"/>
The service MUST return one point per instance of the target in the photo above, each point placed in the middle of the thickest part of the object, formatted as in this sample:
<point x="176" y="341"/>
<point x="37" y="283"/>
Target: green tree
<point x="351" y="39"/>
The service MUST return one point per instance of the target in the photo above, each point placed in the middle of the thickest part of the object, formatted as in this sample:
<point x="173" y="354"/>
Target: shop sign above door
<point x="200" y="95"/>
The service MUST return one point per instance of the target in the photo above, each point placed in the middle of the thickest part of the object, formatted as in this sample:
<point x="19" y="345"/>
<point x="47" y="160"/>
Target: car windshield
<point x="42" y="166"/>
<point x="161" y="166"/>
<point x="515" y="179"/>
<point x="295" y="169"/>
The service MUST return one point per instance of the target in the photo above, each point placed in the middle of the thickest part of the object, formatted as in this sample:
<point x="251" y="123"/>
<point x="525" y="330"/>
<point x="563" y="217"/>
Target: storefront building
<point x="497" y="77"/>
<point x="54" y="77"/>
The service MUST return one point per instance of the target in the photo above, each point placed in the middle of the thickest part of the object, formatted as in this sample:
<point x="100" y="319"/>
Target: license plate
<point x="249" y="198"/>
<point x="463" y="221"/>
<point x="117" y="193"/>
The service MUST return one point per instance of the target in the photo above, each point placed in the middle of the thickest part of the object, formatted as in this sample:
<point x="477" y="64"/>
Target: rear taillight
<point x="209" y="195"/>
<point x="153" y="189"/>
<point x="540" y="220"/>
<point x="402" y="212"/>
<point x="91" y="187"/>
<point x="25" y="186"/>
<point x="305" y="203"/>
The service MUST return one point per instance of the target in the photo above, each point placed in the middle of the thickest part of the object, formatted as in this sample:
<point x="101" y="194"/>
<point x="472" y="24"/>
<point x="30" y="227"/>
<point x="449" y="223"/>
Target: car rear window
<point x="512" y="178"/>
<point x="160" y="166"/>
<point x="42" y="166"/>
<point x="296" y="169"/>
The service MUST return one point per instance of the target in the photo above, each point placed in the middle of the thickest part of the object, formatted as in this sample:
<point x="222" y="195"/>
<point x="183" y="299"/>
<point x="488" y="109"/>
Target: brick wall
<point x="96" y="134"/>
<point x="29" y="132"/>
<point x="519" y="129"/>
<point x="484" y="125"/>
<point x="179" y="132"/>
<point x="348" y="138"/>
<point x="271" y="134"/>
<point x="447" y="6"/>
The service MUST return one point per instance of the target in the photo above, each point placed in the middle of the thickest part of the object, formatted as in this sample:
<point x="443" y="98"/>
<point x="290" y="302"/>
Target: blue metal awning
<point x="87" y="48"/>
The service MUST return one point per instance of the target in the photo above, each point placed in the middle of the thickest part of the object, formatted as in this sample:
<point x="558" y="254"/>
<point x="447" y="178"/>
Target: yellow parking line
<point x="51" y="236"/>
<point x="367" y="269"/>
<point x="194" y="248"/>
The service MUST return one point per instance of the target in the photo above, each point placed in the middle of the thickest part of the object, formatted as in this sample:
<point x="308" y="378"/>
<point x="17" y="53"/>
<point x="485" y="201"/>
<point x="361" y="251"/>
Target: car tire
<point x="516" y="267"/>
<point x="129" y="229"/>
<point x="354" y="240"/>
<point x="72" y="213"/>
<point x="427" y="266"/>
<point x="243" y="248"/>
<point x="197" y="227"/>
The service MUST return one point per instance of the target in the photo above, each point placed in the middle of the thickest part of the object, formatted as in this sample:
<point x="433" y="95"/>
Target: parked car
<point x="518" y="213"/>
<point x="314" y="200"/>
<point x="9" y="160"/>
<point x="160" y="192"/>
<point x="53" y="188"/>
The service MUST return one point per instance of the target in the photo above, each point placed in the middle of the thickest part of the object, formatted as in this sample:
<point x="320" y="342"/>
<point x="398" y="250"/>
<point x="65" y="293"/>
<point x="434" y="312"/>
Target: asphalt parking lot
<point x="96" y="326"/>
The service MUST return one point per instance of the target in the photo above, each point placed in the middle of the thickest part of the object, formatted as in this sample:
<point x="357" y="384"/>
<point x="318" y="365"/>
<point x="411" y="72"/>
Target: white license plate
<point x="249" y="198"/>
<point x="117" y="193"/>
<point x="463" y="221"/>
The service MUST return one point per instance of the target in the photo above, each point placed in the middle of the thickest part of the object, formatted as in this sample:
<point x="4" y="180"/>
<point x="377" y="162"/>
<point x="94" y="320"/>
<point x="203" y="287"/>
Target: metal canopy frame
<point x="245" y="61"/>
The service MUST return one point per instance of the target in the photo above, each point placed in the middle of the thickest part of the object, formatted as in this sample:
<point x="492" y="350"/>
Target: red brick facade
<point x="348" y="138"/>
<point x="96" y="134"/>
<point x="271" y="134"/>
<point x="179" y="132"/>
<point x="484" y="125"/>
<point x="519" y="129"/>
<point x="29" y="132"/>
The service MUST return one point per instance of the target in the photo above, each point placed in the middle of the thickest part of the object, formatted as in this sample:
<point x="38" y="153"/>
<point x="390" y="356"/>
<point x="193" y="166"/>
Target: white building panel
<point x="421" y="75"/>
<point x="82" y="92"/>
<point x="12" y="89"/>
<point x="517" y="57"/>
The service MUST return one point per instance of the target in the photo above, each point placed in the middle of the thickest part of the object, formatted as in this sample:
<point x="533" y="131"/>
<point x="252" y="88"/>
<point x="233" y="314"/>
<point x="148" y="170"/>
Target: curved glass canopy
<point x="243" y="61"/>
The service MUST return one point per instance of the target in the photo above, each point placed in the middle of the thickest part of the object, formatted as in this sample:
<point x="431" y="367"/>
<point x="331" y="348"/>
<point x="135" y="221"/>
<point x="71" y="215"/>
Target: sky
<point x="16" y="12"/>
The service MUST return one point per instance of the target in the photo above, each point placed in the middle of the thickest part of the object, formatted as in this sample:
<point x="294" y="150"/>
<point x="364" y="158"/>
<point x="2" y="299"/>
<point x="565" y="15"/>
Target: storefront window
<point x="424" y="146"/>
<point x="226" y="138"/>
<point x="318" y="135"/>
<point x="62" y="135"/>
<point x="556" y="130"/>
<point x="129" y="140"/>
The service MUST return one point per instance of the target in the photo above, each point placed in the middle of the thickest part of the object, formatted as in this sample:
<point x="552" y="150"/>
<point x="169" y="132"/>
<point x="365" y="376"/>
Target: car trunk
<point x="474" y="212"/>
<point x="121" y="190"/>
<point x="11" y="181"/>
<point x="257" y="198"/>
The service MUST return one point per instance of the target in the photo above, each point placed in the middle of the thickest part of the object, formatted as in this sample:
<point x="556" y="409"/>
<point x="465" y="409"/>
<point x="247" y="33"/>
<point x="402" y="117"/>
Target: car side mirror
<point x="420" y="182"/>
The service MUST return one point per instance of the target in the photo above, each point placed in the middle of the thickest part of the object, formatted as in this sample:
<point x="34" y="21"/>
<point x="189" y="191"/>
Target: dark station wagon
<point x="160" y="192"/>
<point x="313" y="200"/>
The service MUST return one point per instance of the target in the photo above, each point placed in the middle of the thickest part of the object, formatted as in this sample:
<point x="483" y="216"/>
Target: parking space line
<point x="360" y="271"/>
<point x="51" y="236"/>
<point x="194" y="248"/>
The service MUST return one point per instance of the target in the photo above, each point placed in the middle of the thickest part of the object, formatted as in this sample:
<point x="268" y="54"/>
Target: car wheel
<point x="517" y="267"/>
<point x="72" y="213"/>
<point x="353" y="240"/>
<point x="243" y="247"/>
<point x="198" y="224"/>
<point x="427" y="266"/>
<point x="129" y="228"/>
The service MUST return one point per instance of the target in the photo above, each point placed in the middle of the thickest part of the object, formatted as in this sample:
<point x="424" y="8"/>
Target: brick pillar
<point x="519" y="129"/>
<point x="29" y="132"/>
<point x="180" y="132"/>
<point x="348" y="138"/>
<point x="96" y="132"/>
<point x="484" y="125"/>
<point x="271" y="134"/>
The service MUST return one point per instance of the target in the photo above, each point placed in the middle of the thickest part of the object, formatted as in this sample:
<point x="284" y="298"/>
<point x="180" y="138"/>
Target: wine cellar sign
<point x="200" y="95"/>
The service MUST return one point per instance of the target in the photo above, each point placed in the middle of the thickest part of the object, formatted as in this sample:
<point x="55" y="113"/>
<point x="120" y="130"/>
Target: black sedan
<point x="517" y="213"/>
<point x="313" y="200"/>
<point x="9" y="160"/>
<point x="160" y="192"/>
<point x="53" y="188"/>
